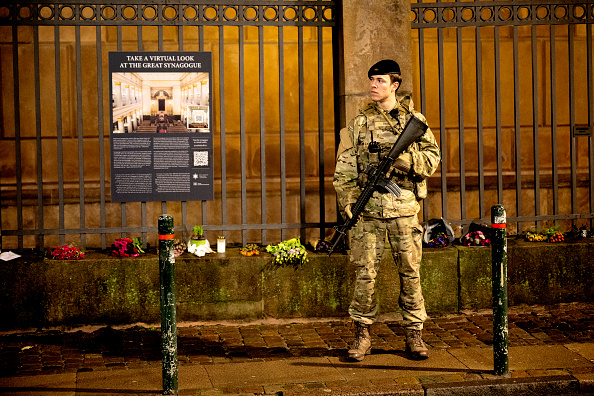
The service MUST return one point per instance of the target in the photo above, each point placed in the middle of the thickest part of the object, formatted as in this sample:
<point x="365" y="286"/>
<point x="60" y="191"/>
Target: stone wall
<point x="104" y="290"/>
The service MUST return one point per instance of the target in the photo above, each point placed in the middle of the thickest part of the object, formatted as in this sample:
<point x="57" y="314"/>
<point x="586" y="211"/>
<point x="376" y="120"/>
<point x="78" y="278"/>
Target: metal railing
<point x="281" y="43"/>
<point x="510" y="99"/>
<point x="515" y="108"/>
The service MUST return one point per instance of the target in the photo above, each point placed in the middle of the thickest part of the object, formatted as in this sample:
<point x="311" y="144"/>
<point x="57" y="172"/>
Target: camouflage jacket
<point x="353" y="157"/>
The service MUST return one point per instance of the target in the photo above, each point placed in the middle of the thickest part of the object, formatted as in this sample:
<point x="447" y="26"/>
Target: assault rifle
<point x="377" y="177"/>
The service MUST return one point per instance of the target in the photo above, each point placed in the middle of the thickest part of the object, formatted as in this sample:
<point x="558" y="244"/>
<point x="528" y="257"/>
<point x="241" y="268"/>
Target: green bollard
<point x="499" y="283"/>
<point x="168" y="321"/>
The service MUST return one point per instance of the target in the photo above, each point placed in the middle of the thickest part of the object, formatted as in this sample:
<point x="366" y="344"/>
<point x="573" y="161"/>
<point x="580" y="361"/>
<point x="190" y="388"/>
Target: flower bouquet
<point x="250" y="249"/>
<point x="440" y="239"/>
<point x="124" y="247"/>
<point x="550" y="235"/>
<point x="475" y="238"/>
<point x="179" y="247"/>
<point x="290" y="252"/>
<point x="67" y="252"/>
<point x="137" y="243"/>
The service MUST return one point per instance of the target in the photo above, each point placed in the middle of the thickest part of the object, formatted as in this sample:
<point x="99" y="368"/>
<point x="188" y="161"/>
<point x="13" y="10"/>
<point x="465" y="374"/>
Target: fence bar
<point x="59" y="132"/>
<point x="321" y="171"/>
<point x="184" y="209"/>
<point x="203" y="203"/>
<point x="204" y="213"/>
<point x="160" y="48"/>
<point x="242" y="136"/>
<point x="200" y="38"/>
<point x="553" y="80"/>
<point x="461" y="124"/>
<point x="499" y="149"/>
<point x="422" y="89"/>
<point x="123" y="204"/>
<point x="422" y="93"/>
<point x="479" y="119"/>
<point x="442" y="135"/>
<point x="517" y="126"/>
<point x="79" y="116"/>
<point x="180" y="38"/>
<point x="302" y="207"/>
<point x="262" y="130"/>
<point x="168" y="314"/>
<point x="499" y="285"/>
<point x="160" y="37"/>
<point x="101" y="132"/>
<point x="229" y="227"/>
<point x="17" y="132"/>
<point x="572" y="144"/>
<point x="221" y="109"/>
<point x="143" y="215"/>
<point x="535" y="121"/>
<point x="282" y="129"/>
<point x="40" y="220"/>
<point x="590" y="76"/>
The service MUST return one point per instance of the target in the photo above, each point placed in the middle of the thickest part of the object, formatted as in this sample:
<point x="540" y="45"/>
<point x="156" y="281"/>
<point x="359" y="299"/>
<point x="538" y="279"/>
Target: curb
<point x="565" y="385"/>
<point x="554" y="385"/>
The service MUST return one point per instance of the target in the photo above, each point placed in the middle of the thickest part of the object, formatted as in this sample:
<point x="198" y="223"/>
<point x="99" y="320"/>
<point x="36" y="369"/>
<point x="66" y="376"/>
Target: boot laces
<point x="359" y="335"/>
<point x="416" y="338"/>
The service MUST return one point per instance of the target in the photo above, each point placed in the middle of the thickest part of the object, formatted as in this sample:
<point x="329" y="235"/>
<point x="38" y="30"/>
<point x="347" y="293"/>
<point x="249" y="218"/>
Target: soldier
<point x="369" y="136"/>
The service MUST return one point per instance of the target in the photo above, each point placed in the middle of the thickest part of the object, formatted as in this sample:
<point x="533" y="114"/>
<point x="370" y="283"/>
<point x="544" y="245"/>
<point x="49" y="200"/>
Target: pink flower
<point x="67" y="252"/>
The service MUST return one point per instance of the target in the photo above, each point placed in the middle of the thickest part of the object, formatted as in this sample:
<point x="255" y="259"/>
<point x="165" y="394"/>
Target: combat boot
<point x="362" y="345"/>
<point x="415" y="347"/>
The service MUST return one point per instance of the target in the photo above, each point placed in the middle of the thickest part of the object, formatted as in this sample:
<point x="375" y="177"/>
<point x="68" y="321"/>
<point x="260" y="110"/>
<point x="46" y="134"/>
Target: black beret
<point x="386" y="66"/>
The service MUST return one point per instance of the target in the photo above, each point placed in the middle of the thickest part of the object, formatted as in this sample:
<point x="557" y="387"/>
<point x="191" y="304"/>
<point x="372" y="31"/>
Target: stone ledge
<point x="103" y="289"/>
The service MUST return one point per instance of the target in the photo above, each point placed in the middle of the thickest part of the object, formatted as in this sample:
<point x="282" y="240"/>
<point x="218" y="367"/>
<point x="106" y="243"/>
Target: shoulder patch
<point x="360" y="120"/>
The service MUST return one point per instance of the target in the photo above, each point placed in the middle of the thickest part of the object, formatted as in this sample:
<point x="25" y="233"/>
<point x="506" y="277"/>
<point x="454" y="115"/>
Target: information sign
<point x="161" y="126"/>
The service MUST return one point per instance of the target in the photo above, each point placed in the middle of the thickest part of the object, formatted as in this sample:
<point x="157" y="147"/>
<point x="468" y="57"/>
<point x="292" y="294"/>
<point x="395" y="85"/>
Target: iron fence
<point x="507" y="87"/>
<point x="56" y="145"/>
<point x="514" y="108"/>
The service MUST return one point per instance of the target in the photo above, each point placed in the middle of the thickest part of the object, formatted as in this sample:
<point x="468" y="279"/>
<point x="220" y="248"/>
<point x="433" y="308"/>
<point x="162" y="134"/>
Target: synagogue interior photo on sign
<point x="160" y="102"/>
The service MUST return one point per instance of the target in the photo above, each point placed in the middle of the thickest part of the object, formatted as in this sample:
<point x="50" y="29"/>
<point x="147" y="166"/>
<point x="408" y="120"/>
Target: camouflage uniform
<point x="385" y="214"/>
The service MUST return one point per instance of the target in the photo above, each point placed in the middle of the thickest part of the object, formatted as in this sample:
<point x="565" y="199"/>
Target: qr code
<point x="200" y="158"/>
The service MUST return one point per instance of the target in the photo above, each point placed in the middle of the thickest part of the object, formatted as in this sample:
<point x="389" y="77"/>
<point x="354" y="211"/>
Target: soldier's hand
<point x="403" y="163"/>
<point x="347" y="210"/>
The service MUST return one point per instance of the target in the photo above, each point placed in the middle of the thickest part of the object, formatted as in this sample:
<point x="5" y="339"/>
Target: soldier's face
<point x="381" y="88"/>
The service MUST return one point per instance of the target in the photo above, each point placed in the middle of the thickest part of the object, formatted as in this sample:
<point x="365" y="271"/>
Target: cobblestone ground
<point x="52" y="351"/>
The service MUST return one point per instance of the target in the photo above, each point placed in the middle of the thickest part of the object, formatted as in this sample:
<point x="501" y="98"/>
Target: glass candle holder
<point x="221" y="244"/>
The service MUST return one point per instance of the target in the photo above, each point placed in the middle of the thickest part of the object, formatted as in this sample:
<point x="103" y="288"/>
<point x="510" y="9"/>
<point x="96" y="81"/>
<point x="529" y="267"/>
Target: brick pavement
<point x="55" y="351"/>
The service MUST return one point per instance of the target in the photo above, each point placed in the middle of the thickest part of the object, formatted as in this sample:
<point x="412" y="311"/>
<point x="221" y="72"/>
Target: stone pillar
<point x="132" y="122"/>
<point x="204" y="93"/>
<point x="121" y="124"/>
<point x="118" y="94"/>
<point x="380" y="30"/>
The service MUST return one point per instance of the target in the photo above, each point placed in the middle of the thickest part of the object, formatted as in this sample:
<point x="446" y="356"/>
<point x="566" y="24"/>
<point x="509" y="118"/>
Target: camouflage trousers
<point x="367" y="246"/>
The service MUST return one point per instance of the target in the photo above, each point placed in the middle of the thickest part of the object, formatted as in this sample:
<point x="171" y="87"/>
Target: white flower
<point x="200" y="250"/>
